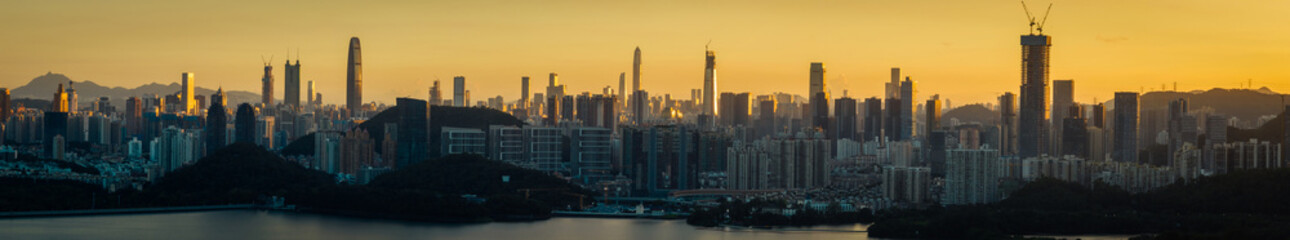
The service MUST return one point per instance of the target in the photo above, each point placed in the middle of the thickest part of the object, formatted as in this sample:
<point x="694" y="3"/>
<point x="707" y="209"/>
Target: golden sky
<point x="967" y="51"/>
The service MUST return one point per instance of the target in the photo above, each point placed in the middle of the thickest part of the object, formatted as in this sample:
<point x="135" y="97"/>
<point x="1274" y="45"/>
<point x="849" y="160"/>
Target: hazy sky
<point x="967" y="51"/>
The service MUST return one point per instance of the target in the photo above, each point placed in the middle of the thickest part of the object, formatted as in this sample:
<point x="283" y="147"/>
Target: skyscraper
<point x="553" y="88"/>
<point x="524" y="92"/>
<point x="892" y="124"/>
<point x="216" y="123"/>
<point x="310" y="92"/>
<point x="133" y="116"/>
<point x="844" y="111"/>
<point x="5" y="110"/>
<point x="893" y="87"/>
<point x="354" y="78"/>
<point x="1125" y="143"/>
<point x="244" y="124"/>
<point x="1008" y="124"/>
<point x="933" y="116"/>
<point x="414" y="129"/>
<point x="873" y="119"/>
<point x="1032" y="122"/>
<point x="622" y="91"/>
<point x="636" y="70"/>
<point x="71" y="98"/>
<point x="1063" y="98"/>
<point x="908" y="109"/>
<point x="819" y="98"/>
<point x="291" y="94"/>
<point x="459" y="92"/>
<point x="266" y="91"/>
<point x="710" y="84"/>
<point x="436" y="95"/>
<point x="189" y="99"/>
<point x="59" y="103"/>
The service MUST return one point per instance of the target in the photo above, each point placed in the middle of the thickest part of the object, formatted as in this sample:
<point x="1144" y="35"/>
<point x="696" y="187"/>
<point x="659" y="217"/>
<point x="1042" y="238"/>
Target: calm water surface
<point x="248" y="224"/>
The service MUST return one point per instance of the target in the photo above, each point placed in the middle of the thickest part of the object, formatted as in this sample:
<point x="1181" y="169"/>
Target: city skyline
<point x="1098" y="46"/>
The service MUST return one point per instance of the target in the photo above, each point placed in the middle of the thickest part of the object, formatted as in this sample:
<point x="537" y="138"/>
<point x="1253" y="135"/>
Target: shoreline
<point x="123" y="211"/>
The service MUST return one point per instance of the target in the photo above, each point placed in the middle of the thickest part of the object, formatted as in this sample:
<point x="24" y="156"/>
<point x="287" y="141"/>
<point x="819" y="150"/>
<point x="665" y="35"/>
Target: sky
<point x="966" y="51"/>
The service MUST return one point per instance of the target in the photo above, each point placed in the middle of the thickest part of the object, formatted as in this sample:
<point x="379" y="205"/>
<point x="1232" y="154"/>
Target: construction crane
<point x="1036" y="26"/>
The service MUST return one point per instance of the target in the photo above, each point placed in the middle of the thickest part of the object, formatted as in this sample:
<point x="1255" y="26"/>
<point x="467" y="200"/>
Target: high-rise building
<point x="266" y="90"/>
<point x="459" y="92"/>
<point x="189" y="99"/>
<point x="1098" y="116"/>
<point x="845" y="114"/>
<point x="873" y="119"/>
<point x="636" y="70"/>
<point x="819" y="98"/>
<point x="71" y="98"/>
<point x="59" y="103"/>
<point x="740" y="110"/>
<point x="1008" y="124"/>
<point x="354" y="79"/>
<point x="524" y="92"/>
<point x="892" y="124"/>
<point x="1075" y="133"/>
<point x="356" y="151"/>
<point x="310" y="91"/>
<point x="622" y="91"/>
<point x="244" y="124"/>
<point x="933" y="116"/>
<point x="971" y="176"/>
<point x="893" y="87"/>
<point x="291" y="92"/>
<point x="436" y="94"/>
<point x="554" y="88"/>
<point x="766" y="116"/>
<point x="710" y="84"/>
<point x="5" y="105"/>
<point x="1124" y="143"/>
<point x="414" y="132"/>
<point x="216" y="123"/>
<point x="1063" y="97"/>
<point x="133" y="116"/>
<point x="908" y="109"/>
<point x="1032" y="122"/>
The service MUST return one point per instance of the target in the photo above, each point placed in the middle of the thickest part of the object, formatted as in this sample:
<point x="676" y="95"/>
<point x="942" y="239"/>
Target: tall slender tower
<point x="819" y="97"/>
<point x="1063" y="98"/>
<point x="622" y="91"/>
<point x="636" y="71"/>
<point x="710" y="85"/>
<point x="908" y="109"/>
<point x="524" y="92"/>
<point x="1008" y="124"/>
<point x="310" y="90"/>
<point x="291" y="92"/>
<point x="354" y="78"/>
<point x="1033" y="118"/>
<point x="459" y="97"/>
<point x="188" y="99"/>
<point x="266" y="91"/>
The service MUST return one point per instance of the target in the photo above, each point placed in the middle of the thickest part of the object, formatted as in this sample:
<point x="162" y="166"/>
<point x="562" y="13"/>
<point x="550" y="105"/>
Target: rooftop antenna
<point x="705" y="46"/>
<point x="1036" y="26"/>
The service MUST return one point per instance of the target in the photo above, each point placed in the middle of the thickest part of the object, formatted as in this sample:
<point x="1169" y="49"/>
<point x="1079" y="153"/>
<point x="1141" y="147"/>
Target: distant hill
<point x="44" y="86"/>
<point x="971" y="113"/>
<point x="1273" y="131"/>
<point x="1246" y="104"/>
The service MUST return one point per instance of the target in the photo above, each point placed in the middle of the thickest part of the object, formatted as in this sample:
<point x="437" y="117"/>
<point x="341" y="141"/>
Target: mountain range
<point x="44" y="86"/>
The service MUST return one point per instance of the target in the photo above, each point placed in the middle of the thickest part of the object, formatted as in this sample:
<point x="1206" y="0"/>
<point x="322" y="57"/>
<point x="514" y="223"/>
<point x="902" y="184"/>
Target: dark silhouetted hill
<point x="440" y="116"/>
<point x="236" y="174"/>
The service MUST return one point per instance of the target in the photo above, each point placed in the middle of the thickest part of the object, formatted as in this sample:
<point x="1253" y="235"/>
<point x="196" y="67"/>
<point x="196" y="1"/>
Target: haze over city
<point x="965" y="51"/>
